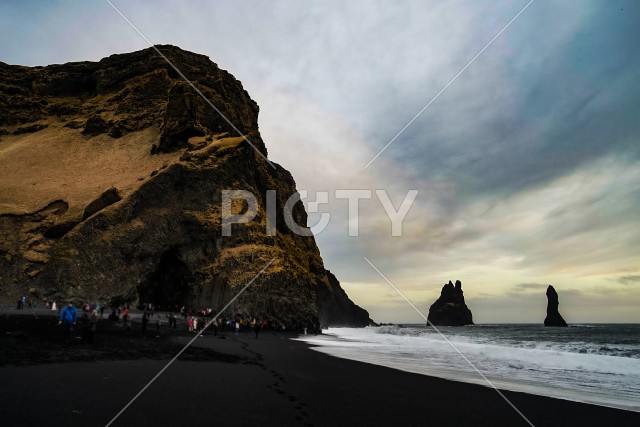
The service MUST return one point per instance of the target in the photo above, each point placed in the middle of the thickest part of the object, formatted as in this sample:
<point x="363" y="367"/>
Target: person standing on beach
<point x="93" y="322"/>
<point x="128" y="323"/>
<point x="145" y="320"/>
<point x="126" y="318"/>
<point x="86" y="311"/>
<point x="68" y="318"/>
<point x="158" y="322"/>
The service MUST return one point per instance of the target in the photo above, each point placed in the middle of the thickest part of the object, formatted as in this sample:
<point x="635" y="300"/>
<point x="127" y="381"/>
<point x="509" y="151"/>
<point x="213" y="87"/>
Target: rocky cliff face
<point x="111" y="190"/>
<point x="553" y="315"/>
<point x="450" y="309"/>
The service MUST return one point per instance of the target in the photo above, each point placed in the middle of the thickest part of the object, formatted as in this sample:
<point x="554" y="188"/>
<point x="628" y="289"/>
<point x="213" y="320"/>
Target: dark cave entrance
<point x="168" y="285"/>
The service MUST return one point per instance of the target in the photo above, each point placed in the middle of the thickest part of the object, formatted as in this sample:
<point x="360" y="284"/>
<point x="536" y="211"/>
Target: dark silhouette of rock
<point x="158" y="237"/>
<point x="29" y="128"/>
<point x="450" y="309"/>
<point x="107" y="198"/>
<point x="553" y="315"/>
<point x="185" y="110"/>
<point x="336" y="309"/>
<point x="60" y="229"/>
<point x="95" y="126"/>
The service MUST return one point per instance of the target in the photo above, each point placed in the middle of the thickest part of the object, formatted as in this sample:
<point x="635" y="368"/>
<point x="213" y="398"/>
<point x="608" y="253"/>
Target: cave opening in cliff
<point x="167" y="287"/>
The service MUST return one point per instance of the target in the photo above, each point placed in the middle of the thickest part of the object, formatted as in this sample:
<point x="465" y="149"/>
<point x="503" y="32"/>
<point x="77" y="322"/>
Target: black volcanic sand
<point x="272" y="380"/>
<point x="33" y="337"/>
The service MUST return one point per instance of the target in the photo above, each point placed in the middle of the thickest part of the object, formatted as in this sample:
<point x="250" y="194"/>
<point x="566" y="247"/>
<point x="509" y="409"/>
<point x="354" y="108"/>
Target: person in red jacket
<point x="126" y="318"/>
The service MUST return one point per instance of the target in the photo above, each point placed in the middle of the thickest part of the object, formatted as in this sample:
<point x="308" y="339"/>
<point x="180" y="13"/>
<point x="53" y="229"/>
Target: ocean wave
<point x="549" y="362"/>
<point x="586" y="326"/>
<point x="517" y="337"/>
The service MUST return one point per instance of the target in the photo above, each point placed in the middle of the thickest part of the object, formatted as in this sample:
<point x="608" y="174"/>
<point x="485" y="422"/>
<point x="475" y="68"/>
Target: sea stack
<point x="553" y="315"/>
<point x="450" y="309"/>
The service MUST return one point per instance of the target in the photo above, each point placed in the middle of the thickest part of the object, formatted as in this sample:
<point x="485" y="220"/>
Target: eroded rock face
<point x="107" y="198"/>
<point x="450" y="309"/>
<point x="128" y="92"/>
<point x="336" y="309"/>
<point x="553" y="315"/>
<point x="159" y="237"/>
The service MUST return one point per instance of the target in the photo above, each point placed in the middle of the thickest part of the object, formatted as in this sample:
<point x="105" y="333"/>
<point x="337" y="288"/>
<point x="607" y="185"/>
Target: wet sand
<point x="240" y="380"/>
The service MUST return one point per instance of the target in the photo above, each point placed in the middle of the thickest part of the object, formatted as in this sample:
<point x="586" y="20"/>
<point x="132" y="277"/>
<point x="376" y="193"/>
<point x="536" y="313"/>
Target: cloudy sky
<point x="526" y="165"/>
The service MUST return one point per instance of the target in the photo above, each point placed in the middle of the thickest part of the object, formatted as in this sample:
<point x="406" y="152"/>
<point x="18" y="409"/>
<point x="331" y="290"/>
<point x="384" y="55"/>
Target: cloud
<point x="631" y="279"/>
<point x="529" y="116"/>
<point x="526" y="166"/>
<point x="527" y="286"/>
<point x="527" y="291"/>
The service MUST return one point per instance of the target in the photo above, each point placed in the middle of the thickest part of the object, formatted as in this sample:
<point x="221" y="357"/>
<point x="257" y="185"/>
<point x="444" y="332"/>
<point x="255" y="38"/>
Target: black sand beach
<point x="240" y="380"/>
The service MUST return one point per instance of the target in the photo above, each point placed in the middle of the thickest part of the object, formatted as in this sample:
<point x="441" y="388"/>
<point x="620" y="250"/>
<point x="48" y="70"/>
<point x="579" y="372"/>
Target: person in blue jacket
<point x="68" y="318"/>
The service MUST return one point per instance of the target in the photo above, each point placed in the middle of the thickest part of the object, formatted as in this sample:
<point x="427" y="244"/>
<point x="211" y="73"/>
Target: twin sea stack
<point x="450" y="309"/>
<point x="111" y="191"/>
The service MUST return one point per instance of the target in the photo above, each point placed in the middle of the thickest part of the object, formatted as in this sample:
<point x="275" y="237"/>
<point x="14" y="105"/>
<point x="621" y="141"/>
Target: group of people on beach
<point x="254" y="326"/>
<point x="196" y="324"/>
<point x="68" y="319"/>
<point x="24" y="302"/>
<point x="149" y="314"/>
<point x="194" y="320"/>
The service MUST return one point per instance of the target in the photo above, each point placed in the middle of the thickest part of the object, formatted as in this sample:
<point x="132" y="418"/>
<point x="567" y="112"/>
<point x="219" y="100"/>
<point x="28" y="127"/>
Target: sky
<point x="526" y="165"/>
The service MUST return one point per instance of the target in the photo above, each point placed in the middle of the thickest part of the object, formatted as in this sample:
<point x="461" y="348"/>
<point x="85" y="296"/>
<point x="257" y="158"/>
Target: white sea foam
<point x="562" y="366"/>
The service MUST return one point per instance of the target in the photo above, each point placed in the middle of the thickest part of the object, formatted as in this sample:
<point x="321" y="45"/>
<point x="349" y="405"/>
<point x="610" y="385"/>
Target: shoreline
<point x="272" y="380"/>
<point x="533" y="389"/>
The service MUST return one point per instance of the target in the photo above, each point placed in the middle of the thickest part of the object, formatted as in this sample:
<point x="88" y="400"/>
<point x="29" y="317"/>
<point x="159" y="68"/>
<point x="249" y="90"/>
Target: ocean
<point x="592" y="363"/>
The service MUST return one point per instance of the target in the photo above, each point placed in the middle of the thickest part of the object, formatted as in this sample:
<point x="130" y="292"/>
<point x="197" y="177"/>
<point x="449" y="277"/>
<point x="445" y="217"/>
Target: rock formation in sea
<point x="111" y="190"/>
<point x="553" y="315"/>
<point x="450" y="309"/>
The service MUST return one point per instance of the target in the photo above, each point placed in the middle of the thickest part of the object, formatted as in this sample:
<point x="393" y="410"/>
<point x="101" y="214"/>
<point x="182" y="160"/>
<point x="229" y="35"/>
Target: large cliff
<point x="110" y="190"/>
